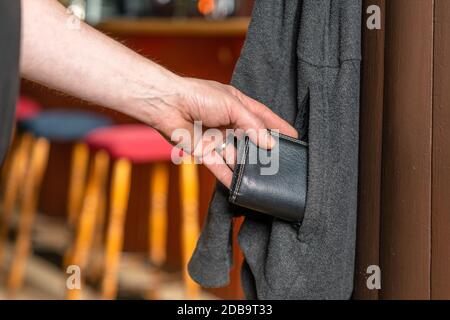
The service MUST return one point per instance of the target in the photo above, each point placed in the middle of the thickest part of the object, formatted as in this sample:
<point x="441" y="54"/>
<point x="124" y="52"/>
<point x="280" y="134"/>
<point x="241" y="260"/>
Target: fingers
<point x="205" y="152"/>
<point x="215" y="140"/>
<point x="252" y="125"/>
<point x="216" y="164"/>
<point x="267" y="116"/>
<point x="209" y="140"/>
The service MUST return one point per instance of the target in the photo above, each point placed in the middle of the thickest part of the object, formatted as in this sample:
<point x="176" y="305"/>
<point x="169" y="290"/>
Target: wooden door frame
<point x="404" y="201"/>
<point x="440" y="244"/>
<point x="370" y="146"/>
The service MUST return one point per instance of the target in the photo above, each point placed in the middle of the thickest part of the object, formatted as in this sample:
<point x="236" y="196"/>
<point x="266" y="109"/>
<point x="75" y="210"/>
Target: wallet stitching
<point x="240" y="172"/>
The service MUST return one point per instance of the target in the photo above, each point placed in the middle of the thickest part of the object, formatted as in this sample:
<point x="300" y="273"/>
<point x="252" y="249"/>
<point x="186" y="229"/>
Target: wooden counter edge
<point x="175" y="27"/>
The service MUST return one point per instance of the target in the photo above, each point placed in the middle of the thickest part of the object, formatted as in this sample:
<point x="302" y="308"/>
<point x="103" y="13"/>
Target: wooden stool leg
<point x="6" y="166"/>
<point x="80" y="158"/>
<point x="158" y="213"/>
<point x="86" y="222"/>
<point x="15" y="177"/>
<point x="120" y="190"/>
<point x="37" y="167"/>
<point x="77" y="187"/>
<point x="189" y="185"/>
<point x="96" y="268"/>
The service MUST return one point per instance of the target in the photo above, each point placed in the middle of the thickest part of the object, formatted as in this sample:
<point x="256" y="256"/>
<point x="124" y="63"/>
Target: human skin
<point x="85" y="63"/>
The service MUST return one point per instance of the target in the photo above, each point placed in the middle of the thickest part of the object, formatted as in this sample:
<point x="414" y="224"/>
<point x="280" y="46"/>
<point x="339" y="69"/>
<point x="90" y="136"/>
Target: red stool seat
<point x="137" y="143"/>
<point x="26" y="108"/>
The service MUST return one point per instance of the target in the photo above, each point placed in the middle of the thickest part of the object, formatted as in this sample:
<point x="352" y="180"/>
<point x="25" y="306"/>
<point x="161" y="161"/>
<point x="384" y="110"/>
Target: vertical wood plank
<point x="407" y="134"/>
<point x="440" y="260"/>
<point x="370" y="145"/>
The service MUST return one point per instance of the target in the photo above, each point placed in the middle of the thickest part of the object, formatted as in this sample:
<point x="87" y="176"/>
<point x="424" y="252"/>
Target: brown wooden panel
<point x="371" y="123"/>
<point x="440" y="260"/>
<point x="206" y="58"/>
<point x="53" y="194"/>
<point x="407" y="135"/>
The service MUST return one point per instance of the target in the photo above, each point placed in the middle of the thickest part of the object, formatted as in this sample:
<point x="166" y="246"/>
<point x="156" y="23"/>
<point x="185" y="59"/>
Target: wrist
<point x="149" y="100"/>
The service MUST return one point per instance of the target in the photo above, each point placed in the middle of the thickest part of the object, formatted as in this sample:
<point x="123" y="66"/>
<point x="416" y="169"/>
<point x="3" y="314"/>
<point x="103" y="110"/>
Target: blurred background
<point x="88" y="197"/>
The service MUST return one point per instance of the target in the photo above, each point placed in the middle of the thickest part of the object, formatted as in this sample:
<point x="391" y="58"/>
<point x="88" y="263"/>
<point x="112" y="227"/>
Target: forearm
<point x="87" y="64"/>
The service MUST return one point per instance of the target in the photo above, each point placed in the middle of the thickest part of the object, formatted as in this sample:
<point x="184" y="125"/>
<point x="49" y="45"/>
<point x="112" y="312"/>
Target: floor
<point x="46" y="280"/>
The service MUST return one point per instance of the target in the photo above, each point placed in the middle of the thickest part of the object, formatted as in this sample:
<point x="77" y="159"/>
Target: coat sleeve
<point x="9" y="69"/>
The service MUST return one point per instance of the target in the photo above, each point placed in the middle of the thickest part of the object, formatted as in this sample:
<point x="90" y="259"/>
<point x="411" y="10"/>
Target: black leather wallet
<point x="274" y="187"/>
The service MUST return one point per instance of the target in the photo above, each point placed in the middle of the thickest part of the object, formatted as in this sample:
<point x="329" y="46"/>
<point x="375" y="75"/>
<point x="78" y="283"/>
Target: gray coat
<point x="9" y="69"/>
<point x="302" y="59"/>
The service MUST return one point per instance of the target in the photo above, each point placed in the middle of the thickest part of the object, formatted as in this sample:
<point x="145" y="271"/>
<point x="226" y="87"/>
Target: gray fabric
<point x="9" y="69"/>
<point x="296" y="52"/>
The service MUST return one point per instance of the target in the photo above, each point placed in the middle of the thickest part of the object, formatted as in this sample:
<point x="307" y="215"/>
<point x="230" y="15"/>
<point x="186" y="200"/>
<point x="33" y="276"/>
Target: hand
<point x="103" y="71"/>
<point x="216" y="106"/>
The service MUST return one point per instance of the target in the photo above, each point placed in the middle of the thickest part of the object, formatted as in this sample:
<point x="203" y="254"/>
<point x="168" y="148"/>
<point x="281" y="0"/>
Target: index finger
<point x="268" y="117"/>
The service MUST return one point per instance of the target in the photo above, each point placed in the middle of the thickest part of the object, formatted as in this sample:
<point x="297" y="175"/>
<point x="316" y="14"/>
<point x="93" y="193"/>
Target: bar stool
<point x="13" y="169"/>
<point x="46" y="128"/>
<point x="126" y="145"/>
<point x="26" y="108"/>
